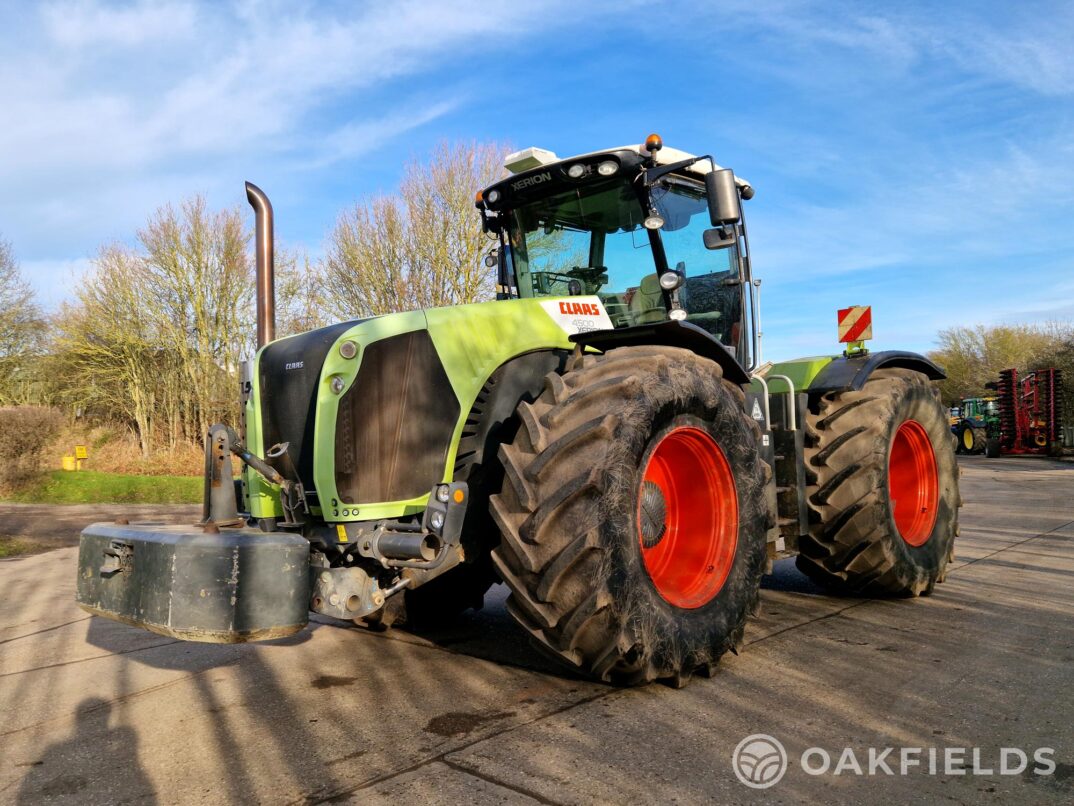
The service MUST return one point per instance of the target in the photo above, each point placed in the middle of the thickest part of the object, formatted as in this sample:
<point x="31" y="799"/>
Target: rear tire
<point x="992" y="448"/>
<point x="886" y="445"/>
<point x="577" y="530"/>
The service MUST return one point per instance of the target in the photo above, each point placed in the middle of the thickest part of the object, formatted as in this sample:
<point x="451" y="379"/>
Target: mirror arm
<point x="652" y="174"/>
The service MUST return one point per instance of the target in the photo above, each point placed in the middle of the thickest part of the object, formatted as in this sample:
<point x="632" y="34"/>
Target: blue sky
<point x="916" y="157"/>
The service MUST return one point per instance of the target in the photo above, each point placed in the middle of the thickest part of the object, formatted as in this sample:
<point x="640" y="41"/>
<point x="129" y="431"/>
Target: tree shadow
<point x="56" y="776"/>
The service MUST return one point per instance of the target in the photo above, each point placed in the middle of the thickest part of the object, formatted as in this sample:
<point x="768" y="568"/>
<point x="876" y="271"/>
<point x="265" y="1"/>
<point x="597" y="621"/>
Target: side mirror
<point x="723" y="197"/>
<point x="719" y="238"/>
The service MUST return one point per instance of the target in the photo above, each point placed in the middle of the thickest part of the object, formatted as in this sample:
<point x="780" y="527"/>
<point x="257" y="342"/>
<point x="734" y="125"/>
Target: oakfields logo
<point x="760" y="761"/>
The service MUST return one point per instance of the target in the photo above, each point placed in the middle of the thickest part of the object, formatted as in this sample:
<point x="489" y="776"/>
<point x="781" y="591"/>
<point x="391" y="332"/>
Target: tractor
<point x="604" y="438"/>
<point x="974" y="422"/>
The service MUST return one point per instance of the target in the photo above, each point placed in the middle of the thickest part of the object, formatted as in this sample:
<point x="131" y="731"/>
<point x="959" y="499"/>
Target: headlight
<point x="493" y="197"/>
<point x="678" y="314"/>
<point x="653" y="221"/>
<point x="608" y="167"/>
<point x="576" y="171"/>
<point x="443" y="493"/>
<point x="437" y="520"/>
<point x="670" y="280"/>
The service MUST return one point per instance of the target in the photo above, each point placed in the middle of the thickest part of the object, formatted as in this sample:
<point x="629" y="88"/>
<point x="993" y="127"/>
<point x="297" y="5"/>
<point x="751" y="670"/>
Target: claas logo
<point x="583" y="308"/>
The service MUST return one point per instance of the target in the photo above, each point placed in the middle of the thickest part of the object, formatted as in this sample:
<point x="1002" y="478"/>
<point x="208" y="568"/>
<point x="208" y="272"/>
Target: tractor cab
<point x="654" y="234"/>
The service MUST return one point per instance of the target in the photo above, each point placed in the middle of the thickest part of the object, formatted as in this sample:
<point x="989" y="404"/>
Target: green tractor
<point x="603" y="438"/>
<point x="974" y="422"/>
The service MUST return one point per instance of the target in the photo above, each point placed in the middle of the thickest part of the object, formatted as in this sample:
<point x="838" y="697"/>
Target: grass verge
<point x="94" y="487"/>
<point x="14" y="546"/>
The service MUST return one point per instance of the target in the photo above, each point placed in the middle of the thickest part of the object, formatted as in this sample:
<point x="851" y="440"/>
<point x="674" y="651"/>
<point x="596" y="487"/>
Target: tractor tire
<point x="633" y="517"/>
<point x="992" y="448"/>
<point x="966" y="439"/>
<point x="869" y="452"/>
<point x="980" y="439"/>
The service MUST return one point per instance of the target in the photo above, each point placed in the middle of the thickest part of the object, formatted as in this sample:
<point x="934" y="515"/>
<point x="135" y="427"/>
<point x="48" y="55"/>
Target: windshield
<point x="590" y="240"/>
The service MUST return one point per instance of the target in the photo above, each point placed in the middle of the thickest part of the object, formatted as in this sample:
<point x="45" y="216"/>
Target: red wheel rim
<point x="912" y="482"/>
<point x="691" y="560"/>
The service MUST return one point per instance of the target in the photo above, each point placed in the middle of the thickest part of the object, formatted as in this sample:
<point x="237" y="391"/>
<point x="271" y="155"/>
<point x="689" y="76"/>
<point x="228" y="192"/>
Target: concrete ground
<point x="92" y="711"/>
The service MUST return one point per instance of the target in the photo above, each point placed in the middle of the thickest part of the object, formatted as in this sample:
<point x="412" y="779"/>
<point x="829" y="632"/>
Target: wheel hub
<point x="913" y="483"/>
<point x="687" y="517"/>
<point x="654" y="514"/>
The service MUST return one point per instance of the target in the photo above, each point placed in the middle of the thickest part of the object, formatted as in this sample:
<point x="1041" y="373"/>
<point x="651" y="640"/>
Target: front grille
<point x="394" y="424"/>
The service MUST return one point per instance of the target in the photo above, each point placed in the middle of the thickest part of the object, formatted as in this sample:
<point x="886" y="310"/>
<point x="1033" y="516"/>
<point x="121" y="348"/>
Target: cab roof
<point x="534" y="157"/>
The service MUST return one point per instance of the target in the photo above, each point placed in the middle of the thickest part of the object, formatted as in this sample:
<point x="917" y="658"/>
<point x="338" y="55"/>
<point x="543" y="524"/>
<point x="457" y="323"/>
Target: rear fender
<point x="846" y="374"/>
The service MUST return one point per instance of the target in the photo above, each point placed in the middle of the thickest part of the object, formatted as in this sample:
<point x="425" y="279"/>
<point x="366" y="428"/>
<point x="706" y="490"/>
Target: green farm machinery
<point x="604" y="438"/>
<point x="974" y="422"/>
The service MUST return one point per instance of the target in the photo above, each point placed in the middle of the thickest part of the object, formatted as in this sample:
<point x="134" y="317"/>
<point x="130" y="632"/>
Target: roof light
<point x="653" y="143"/>
<point x="608" y="167"/>
<point x="653" y="221"/>
<point x="493" y="197"/>
<point x="576" y="171"/>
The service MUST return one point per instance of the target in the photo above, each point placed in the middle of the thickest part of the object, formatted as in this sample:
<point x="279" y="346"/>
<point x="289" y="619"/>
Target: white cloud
<point x="220" y="80"/>
<point x="84" y="22"/>
<point x="111" y="109"/>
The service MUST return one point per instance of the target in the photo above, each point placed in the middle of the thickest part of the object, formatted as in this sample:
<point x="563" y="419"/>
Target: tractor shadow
<point x="786" y="577"/>
<point x="489" y="634"/>
<point x="162" y="652"/>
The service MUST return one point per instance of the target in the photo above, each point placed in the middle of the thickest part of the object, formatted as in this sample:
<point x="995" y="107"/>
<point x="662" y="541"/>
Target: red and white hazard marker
<point x="856" y="323"/>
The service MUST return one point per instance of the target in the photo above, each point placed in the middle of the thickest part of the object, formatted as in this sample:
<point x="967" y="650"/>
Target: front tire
<point x="632" y="516"/>
<point x="966" y="439"/>
<point x="884" y="498"/>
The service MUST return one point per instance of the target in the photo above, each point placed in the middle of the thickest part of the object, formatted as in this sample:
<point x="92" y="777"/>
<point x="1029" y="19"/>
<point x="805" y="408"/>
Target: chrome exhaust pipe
<point x="266" y="261"/>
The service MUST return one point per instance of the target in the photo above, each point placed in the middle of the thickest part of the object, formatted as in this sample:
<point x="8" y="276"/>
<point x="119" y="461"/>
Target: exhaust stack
<point x="263" y="238"/>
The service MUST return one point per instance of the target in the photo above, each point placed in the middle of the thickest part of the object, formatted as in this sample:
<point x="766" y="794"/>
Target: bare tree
<point x="300" y="299"/>
<point x="110" y="350"/>
<point x="156" y="334"/>
<point x="973" y="356"/>
<point x="421" y="247"/>
<point x="200" y="296"/>
<point x="22" y="330"/>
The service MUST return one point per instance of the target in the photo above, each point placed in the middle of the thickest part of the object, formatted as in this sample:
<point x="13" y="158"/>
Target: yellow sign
<point x="80" y="452"/>
<point x="68" y="463"/>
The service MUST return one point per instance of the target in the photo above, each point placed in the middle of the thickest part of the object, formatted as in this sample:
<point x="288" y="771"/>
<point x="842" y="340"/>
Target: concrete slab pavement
<point x="95" y="712"/>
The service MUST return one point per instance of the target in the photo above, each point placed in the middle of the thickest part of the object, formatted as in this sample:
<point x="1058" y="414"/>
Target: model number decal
<point x="578" y="315"/>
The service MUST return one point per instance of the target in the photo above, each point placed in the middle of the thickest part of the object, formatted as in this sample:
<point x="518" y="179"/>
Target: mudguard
<point x="668" y="334"/>
<point x="850" y="373"/>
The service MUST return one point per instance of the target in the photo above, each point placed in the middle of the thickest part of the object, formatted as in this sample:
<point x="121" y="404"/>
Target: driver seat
<point x="647" y="303"/>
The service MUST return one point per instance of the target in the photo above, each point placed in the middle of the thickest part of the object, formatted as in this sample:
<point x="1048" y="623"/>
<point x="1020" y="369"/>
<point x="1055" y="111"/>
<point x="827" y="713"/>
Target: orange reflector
<point x="458" y="496"/>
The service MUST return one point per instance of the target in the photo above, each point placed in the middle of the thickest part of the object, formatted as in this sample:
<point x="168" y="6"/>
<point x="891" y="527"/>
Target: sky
<point x="918" y="157"/>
